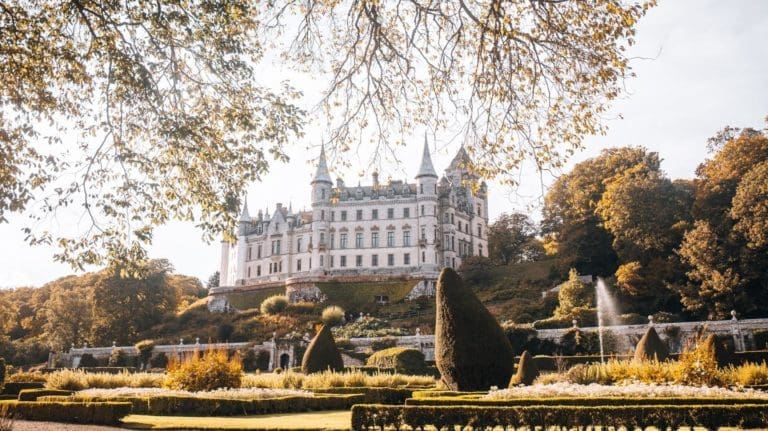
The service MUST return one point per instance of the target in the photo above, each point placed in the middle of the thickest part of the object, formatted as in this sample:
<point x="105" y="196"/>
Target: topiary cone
<point x="720" y="351"/>
<point x="527" y="371"/>
<point x="322" y="354"/>
<point x="471" y="350"/>
<point x="650" y="347"/>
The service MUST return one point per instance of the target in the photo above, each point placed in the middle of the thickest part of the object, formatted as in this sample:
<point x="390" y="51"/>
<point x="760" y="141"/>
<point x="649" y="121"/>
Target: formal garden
<point x="478" y="380"/>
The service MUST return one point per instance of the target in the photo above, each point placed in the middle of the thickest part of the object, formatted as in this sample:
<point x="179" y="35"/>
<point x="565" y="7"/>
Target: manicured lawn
<point x="329" y="420"/>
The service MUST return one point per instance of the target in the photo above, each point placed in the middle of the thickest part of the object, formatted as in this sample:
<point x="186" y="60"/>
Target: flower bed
<point x="639" y="390"/>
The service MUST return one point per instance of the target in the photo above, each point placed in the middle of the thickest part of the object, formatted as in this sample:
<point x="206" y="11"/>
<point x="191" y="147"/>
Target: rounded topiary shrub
<point x="322" y="354"/>
<point x="144" y="351"/>
<point x="88" y="361"/>
<point x="205" y="372"/>
<point x="275" y="304"/>
<point x="404" y="360"/>
<point x="527" y="371"/>
<point x="333" y="316"/>
<point x="471" y="350"/>
<point x="651" y="347"/>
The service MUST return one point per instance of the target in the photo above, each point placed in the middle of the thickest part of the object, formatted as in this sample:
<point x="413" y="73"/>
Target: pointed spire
<point x="426" y="169"/>
<point x="244" y="216"/>
<point x="321" y="174"/>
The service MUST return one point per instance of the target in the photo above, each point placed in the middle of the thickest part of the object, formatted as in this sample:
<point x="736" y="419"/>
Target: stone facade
<point x="361" y="233"/>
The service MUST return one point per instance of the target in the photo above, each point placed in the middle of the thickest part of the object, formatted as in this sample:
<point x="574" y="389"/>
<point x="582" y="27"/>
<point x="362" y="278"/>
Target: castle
<point x="393" y="231"/>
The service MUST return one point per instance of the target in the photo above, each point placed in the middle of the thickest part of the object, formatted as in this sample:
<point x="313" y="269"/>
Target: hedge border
<point x="712" y="417"/>
<point x="98" y="413"/>
<point x="584" y="401"/>
<point x="34" y="394"/>
<point x="373" y="395"/>
<point x="194" y="406"/>
<point x="14" y="388"/>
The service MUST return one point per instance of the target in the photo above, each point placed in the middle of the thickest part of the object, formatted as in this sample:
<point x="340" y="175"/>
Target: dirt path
<point x="46" y="426"/>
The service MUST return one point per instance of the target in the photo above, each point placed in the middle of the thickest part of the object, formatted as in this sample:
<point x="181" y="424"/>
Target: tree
<point x="213" y="280"/>
<point x="68" y="316"/>
<point x="574" y="294"/>
<point x="125" y="306"/>
<point x="172" y="125"/>
<point x="750" y="206"/>
<point x="571" y="225"/>
<point x="509" y="237"/>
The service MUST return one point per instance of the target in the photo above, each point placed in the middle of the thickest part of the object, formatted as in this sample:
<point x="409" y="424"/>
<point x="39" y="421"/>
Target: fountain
<point x="606" y="310"/>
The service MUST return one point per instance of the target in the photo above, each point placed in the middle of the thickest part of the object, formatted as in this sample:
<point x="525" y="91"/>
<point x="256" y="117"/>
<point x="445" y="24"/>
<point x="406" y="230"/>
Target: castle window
<point x="390" y="239"/>
<point x="423" y="257"/>
<point x="374" y="239"/>
<point x="406" y="212"/>
<point x="258" y="270"/>
<point x="423" y="233"/>
<point x="406" y="238"/>
<point x="375" y="260"/>
<point x="359" y="240"/>
<point x="422" y="210"/>
<point x="390" y="213"/>
<point x="343" y="240"/>
<point x="298" y="245"/>
<point x="359" y="260"/>
<point x="479" y="231"/>
<point x="331" y="261"/>
<point x="479" y="210"/>
<point x="343" y="216"/>
<point x="322" y="214"/>
<point x="322" y="260"/>
<point x="322" y="237"/>
<point x="310" y="263"/>
<point x="375" y="214"/>
<point x="298" y="265"/>
<point x="466" y="228"/>
<point x="391" y="259"/>
<point x="480" y="250"/>
<point x="342" y="261"/>
<point x="451" y="218"/>
<point x="276" y="247"/>
<point x="258" y="252"/>
<point x="249" y="253"/>
<point x="422" y="188"/>
<point x="332" y="240"/>
<point x="459" y="225"/>
<point x="249" y="272"/>
<point x="407" y="259"/>
<point x="381" y="299"/>
<point x="359" y="214"/>
<point x="333" y="215"/>
<point x="280" y="266"/>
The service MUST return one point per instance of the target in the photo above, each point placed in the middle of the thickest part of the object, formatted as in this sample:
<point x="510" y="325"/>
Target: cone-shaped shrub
<point x="322" y="353"/>
<point x="527" y="371"/>
<point x="723" y="355"/>
<point x="650" y="347"/>
<point x="471" y="350"/>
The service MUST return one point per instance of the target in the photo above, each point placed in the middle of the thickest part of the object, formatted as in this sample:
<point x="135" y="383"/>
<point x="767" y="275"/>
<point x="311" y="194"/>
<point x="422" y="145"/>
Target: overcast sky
<point x="700" y="65"/>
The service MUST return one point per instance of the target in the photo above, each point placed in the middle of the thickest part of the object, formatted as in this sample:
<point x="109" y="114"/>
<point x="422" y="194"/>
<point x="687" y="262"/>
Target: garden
<point x="478" y="380"/>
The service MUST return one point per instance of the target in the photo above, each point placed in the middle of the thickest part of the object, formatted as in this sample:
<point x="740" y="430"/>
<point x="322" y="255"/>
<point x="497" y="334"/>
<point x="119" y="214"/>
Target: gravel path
<point x="46" y="426"/>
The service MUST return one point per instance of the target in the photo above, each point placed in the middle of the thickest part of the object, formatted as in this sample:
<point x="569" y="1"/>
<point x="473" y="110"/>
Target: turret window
<point x="479" y="231"/>
<point x="298" y="245"/>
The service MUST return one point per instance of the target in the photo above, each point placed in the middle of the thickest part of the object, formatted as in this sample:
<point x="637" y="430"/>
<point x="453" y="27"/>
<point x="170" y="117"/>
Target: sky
<point x="700" y="65"/>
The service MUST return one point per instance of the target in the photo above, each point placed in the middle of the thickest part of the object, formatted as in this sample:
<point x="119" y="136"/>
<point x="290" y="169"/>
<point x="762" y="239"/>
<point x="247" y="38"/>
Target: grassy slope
<point x="331" y="420"/>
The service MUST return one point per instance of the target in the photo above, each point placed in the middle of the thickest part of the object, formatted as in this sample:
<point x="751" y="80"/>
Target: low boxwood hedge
<point x="34" y="394"/>
<point x="194" y="406"/>
<point x="581" y="401"/>
<point x="675" y="416"/>
<point x="373" y="395"/>
<point x="108" y="413"/>
<point x="13" y="388"/>
<point x="443" y="394"/>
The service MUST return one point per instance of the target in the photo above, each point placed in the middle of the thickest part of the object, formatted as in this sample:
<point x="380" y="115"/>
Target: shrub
<point x="527" y="371"/>
<point x="698" y="364"/>
<point x="101" y="413"/>
<point x="262" y="360"/>
<point x="322" y="354"/>
<point x="15" y="388"/>
<point x="333" y="316"/>
<point x="651" y="348"/>
<point x="117" y="358"/>
<point x="34" y="394"/>
<point x="761" y="339"/>
<point x="748" y="374"/>
<point x="275" y="304"/>
<point x="159" y="361"/>
<point x="204" y="372"/>
<point x="577" y="342"/>
<point x="403" y="359"/>
<point x="2" y="373"/>
<point x="87" y="361"/>
<point x="368" y="327"/>
<point x="471" y="350"/>
<point x="144" y="350"/>
<point x="573" y="294"/>
<point x="519" y="335"/>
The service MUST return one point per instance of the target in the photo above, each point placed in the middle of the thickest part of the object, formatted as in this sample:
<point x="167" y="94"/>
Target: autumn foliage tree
<point x="171" y="122"/>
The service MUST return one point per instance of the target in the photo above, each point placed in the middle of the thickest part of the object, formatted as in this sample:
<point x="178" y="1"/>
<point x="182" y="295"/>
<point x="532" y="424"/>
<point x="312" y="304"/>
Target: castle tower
<point x="427" y="210"/>
<point x="321" y="201"/>
<point x="243" y="226"/>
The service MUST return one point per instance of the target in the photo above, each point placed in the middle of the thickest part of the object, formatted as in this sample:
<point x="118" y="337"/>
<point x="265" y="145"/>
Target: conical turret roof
<point x="244" y="216"/>
<point x="321" y="174"/>
<point x="426" y="169"/>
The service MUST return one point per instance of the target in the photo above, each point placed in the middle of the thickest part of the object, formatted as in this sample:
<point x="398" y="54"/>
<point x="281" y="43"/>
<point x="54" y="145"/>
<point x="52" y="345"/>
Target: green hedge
<point x="662" y="417"/>
<point x="373" y="395"/>
<point x="441" y="394"/>
<point x="193" y="406"/>
<point x="405" y="360"/>
<point x="468" y="400"/>
<point x="80" y="413"/>
<point x="16" y="387"/>
<point x="34" y="394"/>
